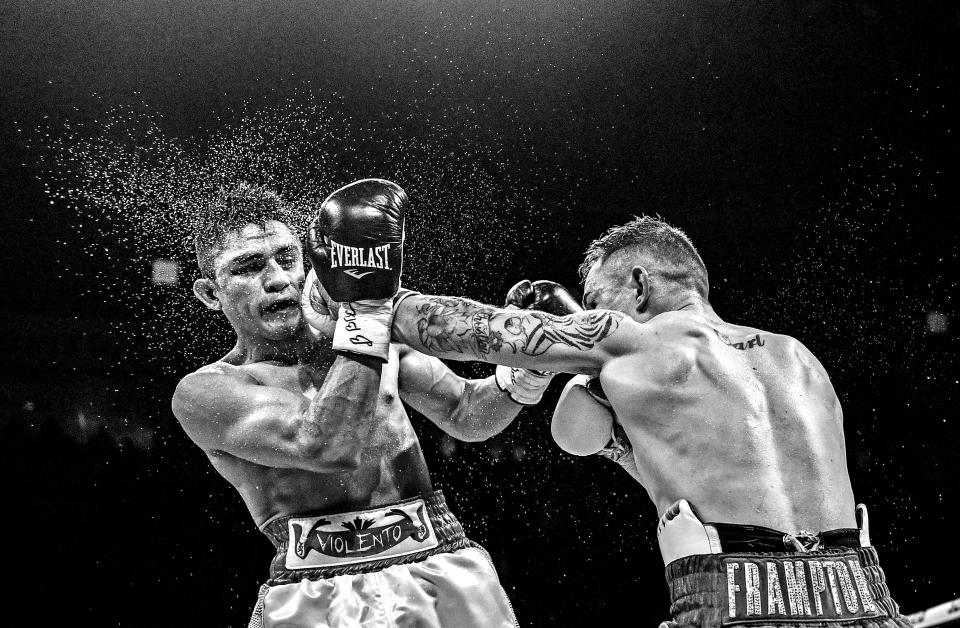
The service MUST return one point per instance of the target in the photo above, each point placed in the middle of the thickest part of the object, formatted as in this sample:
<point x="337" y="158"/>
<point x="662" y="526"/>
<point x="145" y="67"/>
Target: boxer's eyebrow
<point x="287" y="255"/>
<point x="243" y="258"/>
<point x="286" y="250"/>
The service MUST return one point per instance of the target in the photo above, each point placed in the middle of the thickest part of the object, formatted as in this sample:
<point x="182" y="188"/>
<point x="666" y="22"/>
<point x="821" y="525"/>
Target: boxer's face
<point x="259" y="275"/>
<point x="614" y="285"/>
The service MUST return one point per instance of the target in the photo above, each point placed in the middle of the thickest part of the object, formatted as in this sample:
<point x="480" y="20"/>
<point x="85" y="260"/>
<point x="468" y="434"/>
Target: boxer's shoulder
<point x="745" y="338"/>
<point x="674" y="326"/>
<point x="693" y="325"/>
<point x="198" y="384"/>
<point x="241" y="372"/>
<point x="219" y="367"/>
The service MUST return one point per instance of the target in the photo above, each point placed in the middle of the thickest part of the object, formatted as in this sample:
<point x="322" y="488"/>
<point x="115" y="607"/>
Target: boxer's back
<point x="741" y="422"/>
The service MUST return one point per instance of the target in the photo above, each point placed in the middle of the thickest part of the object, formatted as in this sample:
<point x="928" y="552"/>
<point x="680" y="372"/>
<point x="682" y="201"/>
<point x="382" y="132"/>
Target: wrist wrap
<point x="363" y="327"/>
<point x="524" y="386"/>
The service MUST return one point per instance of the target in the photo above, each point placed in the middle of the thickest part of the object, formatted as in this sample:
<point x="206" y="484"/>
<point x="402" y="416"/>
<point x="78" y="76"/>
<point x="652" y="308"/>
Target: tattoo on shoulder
<point x="464" y="326"/>
<point x="743" y="345"/>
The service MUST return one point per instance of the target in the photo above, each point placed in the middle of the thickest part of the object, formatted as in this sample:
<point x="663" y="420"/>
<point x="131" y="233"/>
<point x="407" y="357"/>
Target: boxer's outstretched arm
<point x="460" y="329"/>
<point x="467" y="409"/>
<point x="224" y="409"/>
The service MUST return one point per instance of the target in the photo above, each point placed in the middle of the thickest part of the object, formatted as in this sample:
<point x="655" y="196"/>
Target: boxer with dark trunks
<point x="312" y="432"/>
<point x="740" y="422"/>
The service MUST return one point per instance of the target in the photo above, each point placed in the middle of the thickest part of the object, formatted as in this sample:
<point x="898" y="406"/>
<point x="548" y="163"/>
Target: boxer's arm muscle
<point x="274" y="427"/>
<point x="581" y="425"/>
<point x="467" y="409"/>
<point x="461" y="329"/>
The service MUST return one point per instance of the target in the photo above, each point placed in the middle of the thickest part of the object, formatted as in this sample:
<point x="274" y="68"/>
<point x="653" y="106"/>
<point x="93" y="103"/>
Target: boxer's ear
<point x="641" y="284"/>
<point x="206" y="291"/>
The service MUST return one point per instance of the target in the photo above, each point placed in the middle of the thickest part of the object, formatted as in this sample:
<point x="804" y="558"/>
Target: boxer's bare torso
<point x="741" y="422"/>
<point x="391" y="464"/>
<point x="293" y="426"/>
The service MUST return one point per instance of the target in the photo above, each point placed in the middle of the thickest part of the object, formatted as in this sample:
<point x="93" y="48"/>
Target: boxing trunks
<point x="736" y="575"/>
<point x="396" y="565"/>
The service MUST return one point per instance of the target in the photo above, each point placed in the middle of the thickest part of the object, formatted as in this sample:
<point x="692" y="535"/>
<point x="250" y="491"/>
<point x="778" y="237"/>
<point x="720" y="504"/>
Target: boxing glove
<point x="526" y="386"/>
<point x="542" y="295"/>
<point x="356" y="247"/>
<point x="319" y="310"/>
<point x="595" y="389"/>
<point x="618" y="447"/>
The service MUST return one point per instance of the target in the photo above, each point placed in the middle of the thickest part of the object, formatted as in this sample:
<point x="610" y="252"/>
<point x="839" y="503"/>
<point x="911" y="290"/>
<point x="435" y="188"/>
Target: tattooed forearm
<point x="449" y="325"/>
<point x="581" y="331"/>
<point x="454" y="325"/>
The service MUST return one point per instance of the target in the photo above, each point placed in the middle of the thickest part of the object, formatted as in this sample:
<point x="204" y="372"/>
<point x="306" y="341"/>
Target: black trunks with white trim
<point x="738" y="575"/>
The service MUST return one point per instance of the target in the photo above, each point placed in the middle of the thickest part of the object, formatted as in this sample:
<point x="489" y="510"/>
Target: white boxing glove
<point x="524" y="386"/>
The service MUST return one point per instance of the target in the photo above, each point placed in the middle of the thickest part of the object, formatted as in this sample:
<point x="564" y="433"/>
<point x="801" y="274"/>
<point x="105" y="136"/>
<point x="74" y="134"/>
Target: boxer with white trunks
<point x="311" y="431"/>
<point x="740" y="422"/>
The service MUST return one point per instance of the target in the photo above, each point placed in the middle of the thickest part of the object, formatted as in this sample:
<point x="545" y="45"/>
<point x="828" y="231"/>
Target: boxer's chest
<point x="301" y="379"/>
<point x="391" y="452"/>
<point x="308" y="379"/>
<point x="393" y="429"/>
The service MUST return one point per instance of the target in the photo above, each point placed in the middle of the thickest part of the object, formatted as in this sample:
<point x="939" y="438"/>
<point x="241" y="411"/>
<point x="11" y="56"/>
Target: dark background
<point x="808" y="148"/>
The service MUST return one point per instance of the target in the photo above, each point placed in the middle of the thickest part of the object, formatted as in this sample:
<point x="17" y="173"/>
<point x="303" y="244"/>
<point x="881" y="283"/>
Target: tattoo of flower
<point x="449" y="325"/>
<point x="496" y="341"/>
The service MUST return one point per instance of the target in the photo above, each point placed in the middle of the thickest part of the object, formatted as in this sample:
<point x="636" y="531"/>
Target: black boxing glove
<point x="542" y="295"/>
<point x="356" y="247"/>
<point x="526" y="386"/>
<point x="356" y="240"/>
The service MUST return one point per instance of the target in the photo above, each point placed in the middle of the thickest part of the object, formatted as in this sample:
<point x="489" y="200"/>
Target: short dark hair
<point x="230" y="211"/>
<point x="682" y="263"/>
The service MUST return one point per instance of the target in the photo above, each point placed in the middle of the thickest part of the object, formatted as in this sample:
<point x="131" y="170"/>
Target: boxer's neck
<point x="689" y="302"/>
<point x="297" y="349"/>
